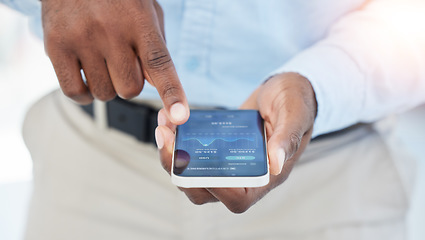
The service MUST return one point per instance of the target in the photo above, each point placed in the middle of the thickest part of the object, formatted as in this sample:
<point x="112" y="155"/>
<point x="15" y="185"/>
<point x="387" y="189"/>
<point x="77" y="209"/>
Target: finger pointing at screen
<point x="117" y="44"/>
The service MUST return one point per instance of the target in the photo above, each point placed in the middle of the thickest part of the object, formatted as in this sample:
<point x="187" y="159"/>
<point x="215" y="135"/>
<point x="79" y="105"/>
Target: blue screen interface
<point x="221" y="143"/>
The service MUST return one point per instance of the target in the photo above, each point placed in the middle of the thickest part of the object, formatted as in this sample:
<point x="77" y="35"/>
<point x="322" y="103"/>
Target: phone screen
<point x="221" y="143"/>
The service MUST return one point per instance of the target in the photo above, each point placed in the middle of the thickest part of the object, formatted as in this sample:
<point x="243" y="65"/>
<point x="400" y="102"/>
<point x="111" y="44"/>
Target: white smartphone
<point x="221" y="148"/>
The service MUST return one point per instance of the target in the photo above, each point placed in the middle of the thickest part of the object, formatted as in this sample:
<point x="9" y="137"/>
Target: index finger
<point x="159" y="70"/>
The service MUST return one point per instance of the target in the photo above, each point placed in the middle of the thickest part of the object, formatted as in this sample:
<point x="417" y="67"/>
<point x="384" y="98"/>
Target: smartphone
<point x="221" y="148"/>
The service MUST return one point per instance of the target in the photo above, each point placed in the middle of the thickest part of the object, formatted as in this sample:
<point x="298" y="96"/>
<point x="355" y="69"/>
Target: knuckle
<point x="170" y="90"/>
<point x="73" y="93"/>
<point x="51" y="37"/>
<point x="239" y="208"/>
<point x="99" y="27"/>
<point x="140" y="13"/>
<point x="72" y="33"/>
<point x="158" y="59"/>
<point x="105" y="94"/>
<point x="87" y="34"/>
<point x="238" y="204"/>
<point x="106" y="97"/>
<point x="131" y="90"/>
<point x="52" y="43"/>
<point x="295" y="141"/>
<point x="198" y="200"/>
<point x="141" y="20"/>
<point x="103" y="91"/>
<point x="57" y="41"/>
<point x="129" y="93"/>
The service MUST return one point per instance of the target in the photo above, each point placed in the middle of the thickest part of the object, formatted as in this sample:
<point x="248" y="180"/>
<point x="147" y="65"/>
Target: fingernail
<point x="178" y="112"/>
<point x="161" y="119"/>
<point x="159" y="139"/>
<point x="281" y="158"/>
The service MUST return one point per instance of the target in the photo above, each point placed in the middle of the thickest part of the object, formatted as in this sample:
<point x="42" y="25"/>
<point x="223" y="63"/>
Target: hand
<point x="288" y="106"/>
<point x="118" y="44"/>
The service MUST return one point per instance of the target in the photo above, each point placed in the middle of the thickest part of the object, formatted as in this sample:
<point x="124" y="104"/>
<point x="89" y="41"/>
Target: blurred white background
<point x="26" y="74"/>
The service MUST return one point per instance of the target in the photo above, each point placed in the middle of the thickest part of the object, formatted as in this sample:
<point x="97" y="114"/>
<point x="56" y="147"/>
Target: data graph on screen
<point x="219" y="140"/>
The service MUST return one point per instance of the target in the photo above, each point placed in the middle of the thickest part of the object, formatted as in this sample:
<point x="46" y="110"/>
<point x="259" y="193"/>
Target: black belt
<point x="137" y="120"/>
<point x="140" y="120"/>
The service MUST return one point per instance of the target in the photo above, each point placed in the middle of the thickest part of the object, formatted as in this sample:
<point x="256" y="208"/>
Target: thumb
<point x="288" y="137"/>
<point x="287" y="103"/>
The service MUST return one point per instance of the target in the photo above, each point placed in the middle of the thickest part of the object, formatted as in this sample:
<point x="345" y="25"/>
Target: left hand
<point x="288" y="106"/>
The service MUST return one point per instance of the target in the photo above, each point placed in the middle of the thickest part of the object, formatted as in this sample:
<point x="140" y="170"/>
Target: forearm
<point x="368" y="66"/>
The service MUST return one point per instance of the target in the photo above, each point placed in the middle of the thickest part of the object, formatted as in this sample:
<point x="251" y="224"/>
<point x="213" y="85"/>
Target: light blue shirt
<point x="224" y="49"/>
<point x="361" y="65"/>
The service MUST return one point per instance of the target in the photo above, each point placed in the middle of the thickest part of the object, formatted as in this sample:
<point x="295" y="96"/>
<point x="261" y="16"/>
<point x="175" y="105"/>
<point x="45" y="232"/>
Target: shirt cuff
<point x="338" y="84"/>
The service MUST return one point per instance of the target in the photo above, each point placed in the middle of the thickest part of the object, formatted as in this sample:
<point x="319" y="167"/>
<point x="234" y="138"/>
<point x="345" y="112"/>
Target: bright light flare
<point x="406" y="17"/>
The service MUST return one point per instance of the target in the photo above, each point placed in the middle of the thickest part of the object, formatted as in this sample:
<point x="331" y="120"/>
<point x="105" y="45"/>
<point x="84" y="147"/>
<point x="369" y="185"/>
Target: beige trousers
<point x="93" y="183"/>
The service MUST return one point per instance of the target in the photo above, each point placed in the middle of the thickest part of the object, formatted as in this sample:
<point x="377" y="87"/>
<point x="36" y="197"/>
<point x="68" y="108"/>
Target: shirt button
<point x="192" y="63"/>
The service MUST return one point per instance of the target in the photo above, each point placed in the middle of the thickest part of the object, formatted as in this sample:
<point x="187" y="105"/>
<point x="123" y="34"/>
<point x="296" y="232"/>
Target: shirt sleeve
<point x="371" y="64"/>
<point x="32" y="9"/>
<point x="27" y="7"/>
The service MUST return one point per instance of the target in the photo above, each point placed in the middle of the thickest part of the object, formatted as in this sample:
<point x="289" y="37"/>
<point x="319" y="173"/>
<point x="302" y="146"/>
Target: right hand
<point x="118" y="44"/>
